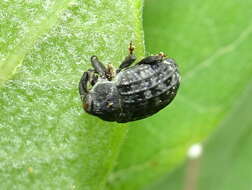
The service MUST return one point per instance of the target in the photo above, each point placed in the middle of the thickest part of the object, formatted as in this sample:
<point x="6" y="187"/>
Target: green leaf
<point x="211" y="42"/>
<point x="19" y="32"/>
<point x="47" y="142"/>
<point x="172" y="180"/>
<point x="226" y="162"/>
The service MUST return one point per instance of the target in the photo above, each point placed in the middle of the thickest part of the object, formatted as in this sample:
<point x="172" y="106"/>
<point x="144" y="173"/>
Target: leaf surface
<point x="47" y="142"/>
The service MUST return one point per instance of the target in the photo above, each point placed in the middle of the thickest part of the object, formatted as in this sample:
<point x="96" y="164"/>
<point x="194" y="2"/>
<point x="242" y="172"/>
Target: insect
<point x="131" y="92"/>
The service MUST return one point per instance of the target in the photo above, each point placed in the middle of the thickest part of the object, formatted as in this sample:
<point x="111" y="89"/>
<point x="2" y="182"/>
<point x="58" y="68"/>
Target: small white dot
<point x="195" y="151"/>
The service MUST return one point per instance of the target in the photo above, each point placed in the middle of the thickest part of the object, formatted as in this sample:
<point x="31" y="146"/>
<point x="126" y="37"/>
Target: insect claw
<point x="110" y="73"/>
<point x="161" y="54"/>
<point x="131" y="48"/>
<point x="110" y="104"/>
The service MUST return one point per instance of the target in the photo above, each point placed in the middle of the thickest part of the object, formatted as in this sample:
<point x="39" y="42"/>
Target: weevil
<point x="132" y="92"/>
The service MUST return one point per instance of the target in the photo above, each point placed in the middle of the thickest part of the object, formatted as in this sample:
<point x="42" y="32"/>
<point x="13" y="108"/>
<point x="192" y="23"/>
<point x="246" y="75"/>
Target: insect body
<point x="133" y="92"/>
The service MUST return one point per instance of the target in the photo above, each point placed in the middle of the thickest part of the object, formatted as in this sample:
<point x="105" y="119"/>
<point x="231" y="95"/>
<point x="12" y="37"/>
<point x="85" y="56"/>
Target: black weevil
<point x="131" y="92"/>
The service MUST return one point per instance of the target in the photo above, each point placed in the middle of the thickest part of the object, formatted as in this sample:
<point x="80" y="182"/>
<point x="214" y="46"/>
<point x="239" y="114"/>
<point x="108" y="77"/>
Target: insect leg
<point x="98" y="66"/>
<point x="83" y="85"/>
<point x="87" y="78"/>
<point x="128" y="59"/>
<point x="93" y="78"/>
<point x="126" y="62"/>
<point x="152" y="59"/>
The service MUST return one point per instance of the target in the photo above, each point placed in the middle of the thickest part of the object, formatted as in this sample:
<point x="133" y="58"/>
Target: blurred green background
<point x="211" y="41"/>
<point x="47" y="142"/>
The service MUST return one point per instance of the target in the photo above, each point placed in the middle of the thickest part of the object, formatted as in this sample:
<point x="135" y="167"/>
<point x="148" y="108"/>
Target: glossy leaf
<point x="225" y="163"/>
<point x="211" y="41"/>
<point x="226" y="160"/>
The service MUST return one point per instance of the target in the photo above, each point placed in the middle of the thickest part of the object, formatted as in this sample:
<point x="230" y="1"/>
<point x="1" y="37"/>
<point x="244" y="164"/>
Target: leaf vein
<point x="220" y="52"/>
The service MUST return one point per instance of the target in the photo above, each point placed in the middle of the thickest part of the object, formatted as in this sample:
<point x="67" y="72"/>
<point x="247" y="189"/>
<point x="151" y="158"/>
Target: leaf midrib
<point x="37" y="29"/>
